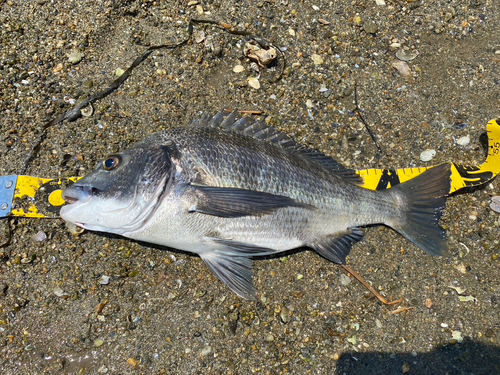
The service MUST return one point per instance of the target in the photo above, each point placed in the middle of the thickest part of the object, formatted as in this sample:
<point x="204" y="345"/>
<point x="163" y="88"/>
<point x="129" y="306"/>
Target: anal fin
<point x="337" y="248"/>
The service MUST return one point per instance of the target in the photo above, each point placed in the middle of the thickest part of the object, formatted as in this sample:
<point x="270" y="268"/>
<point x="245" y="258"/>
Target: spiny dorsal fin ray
<point x="264" y="132"/>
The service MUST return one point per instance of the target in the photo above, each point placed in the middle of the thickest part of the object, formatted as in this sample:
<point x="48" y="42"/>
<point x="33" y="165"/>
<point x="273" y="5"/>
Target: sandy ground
<point x="164" y="312"/>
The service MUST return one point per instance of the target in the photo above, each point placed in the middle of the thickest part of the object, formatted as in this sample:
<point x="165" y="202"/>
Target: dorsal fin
<point x="260" y="130"/>
<point x="245" y="125"/>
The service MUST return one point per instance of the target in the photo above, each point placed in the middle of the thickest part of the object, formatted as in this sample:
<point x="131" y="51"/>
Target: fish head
<point x="123" y="191"/>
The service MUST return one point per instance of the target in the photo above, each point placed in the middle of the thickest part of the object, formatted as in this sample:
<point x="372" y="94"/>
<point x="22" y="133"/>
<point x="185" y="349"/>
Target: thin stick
<point x="358" y="112"/>
<point x="380" y="297"/>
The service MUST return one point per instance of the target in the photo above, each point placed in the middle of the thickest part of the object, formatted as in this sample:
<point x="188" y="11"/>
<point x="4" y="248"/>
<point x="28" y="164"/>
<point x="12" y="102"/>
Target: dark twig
<point x="75" y="113"/>
<point x="358" y="112"/>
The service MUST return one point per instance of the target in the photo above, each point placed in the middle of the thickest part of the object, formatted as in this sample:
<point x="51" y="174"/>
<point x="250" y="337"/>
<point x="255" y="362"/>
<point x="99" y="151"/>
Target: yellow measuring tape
<point x="27" y="196"/>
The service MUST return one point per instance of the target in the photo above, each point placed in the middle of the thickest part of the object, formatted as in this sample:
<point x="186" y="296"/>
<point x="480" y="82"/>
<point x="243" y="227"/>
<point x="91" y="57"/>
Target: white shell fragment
<point x="406" y="55"/>
<point x="457" y="335"/>
<point x="40" y="236"/>
<point x="463" y="141"/>
<point x="199" y="37"/>
<point x="119" y="72"/>
<point x="103" y="280"/>
<point x="254" y="83"/>
<point x="495" y="203"/>
<point x="239" y="69"/>
<point x="59" y="292"/>
<point x="427" y="155"/>
<point x="75" y="57"/>
<point x="87" y="111"/>
<point x="402" y="67"/>
<point x="73" y="229"/>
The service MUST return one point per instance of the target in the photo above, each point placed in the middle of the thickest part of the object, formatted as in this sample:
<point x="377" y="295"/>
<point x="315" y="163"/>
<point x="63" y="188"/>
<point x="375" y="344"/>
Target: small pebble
<point x="98" y="343"/>
<point x="427" y="155"/>
<point x="405" y="368"/>
<point x="73" y="229"/>
<point x="380" y="3"/>
<point x="463" y="141"/>
<point x="428" y="303"/>
<point x="206" y="351"/>
<point x="132" y="362"/>
<point x="317" y="59"/>
<point x="353" y="340"/>
<point x="370" y="27"/>
<point x="3" y="289"/>
<point x="285" y="314"/>
<point x="58" y="68"/>
<point x="75" y="57"/>
<point x="270" y="337"/>
<point x="344" y="279"/>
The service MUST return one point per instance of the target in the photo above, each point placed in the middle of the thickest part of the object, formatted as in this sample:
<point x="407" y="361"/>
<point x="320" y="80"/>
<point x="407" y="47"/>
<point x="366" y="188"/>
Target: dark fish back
<point x="230" y="159"/>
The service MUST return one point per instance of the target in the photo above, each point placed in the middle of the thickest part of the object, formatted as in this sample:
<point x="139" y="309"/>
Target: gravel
<point x="169" y="314"/>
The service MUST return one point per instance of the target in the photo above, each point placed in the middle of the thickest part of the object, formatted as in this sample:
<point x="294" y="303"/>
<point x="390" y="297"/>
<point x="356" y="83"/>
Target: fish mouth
<point x="74" y="194"/>
<point x="69" y="199"/>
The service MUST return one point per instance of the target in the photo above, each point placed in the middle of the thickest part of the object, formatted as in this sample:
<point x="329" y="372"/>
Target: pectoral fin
<point x="234" y="271"/>
<point x="237" y="248"/>
<point x="234" y="202"/>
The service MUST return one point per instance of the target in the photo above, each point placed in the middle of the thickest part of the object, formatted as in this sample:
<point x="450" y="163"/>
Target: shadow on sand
<point x="467" y="358"/>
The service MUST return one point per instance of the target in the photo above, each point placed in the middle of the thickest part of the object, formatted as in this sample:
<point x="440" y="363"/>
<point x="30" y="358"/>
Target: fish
<point x="231" y="190"/>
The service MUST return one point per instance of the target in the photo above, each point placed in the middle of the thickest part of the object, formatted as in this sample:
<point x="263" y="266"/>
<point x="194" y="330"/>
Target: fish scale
<point x="231" y="190"/>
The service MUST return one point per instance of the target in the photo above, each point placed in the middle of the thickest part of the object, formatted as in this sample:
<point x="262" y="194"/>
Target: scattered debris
<point x="262" y="56"/>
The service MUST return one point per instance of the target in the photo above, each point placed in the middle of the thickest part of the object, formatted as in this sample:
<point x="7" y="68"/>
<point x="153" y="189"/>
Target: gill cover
<point x="122" y="192"/>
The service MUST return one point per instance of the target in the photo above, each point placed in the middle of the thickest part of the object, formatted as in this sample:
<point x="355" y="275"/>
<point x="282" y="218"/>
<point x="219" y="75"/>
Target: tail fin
<point x="423" y="200"/>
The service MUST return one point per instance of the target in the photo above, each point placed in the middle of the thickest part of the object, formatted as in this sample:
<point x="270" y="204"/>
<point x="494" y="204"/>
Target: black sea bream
<point x="231" y="190"/>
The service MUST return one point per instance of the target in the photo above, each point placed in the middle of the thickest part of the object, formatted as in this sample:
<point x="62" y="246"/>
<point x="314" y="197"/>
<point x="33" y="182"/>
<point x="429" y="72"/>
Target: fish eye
<point x="111" y="162"/>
